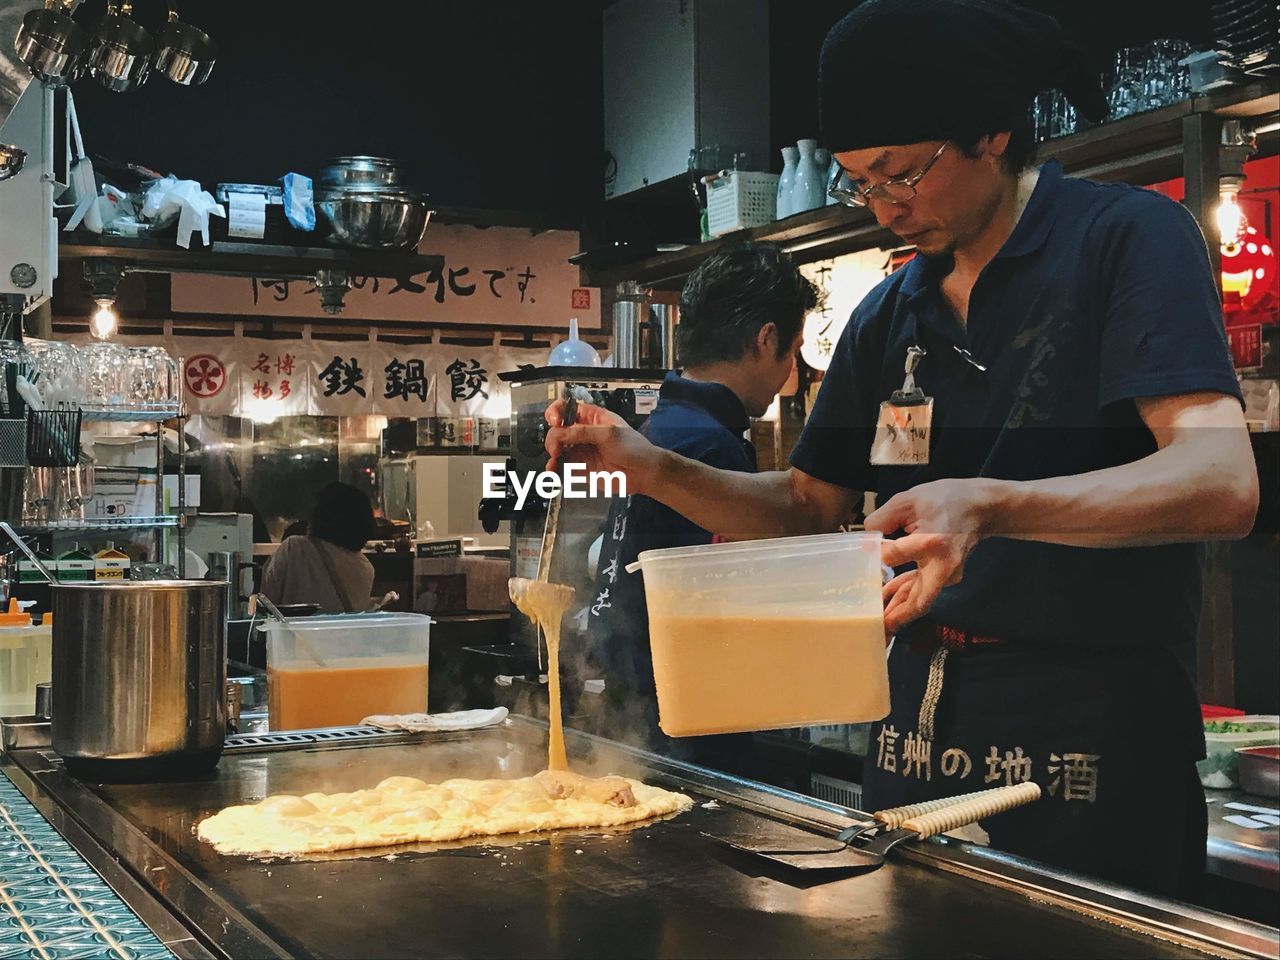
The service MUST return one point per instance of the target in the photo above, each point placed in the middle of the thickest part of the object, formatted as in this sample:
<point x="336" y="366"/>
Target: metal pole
<point x="1201" y="139"/>
<point x="182" y="476"/>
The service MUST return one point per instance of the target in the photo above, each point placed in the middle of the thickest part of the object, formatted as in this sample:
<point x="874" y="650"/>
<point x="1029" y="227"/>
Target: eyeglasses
<point x="897" y="190"/>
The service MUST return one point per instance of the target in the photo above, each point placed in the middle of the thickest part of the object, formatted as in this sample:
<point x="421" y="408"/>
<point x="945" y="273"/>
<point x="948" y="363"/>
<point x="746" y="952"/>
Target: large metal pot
<point x="139" y="676"/>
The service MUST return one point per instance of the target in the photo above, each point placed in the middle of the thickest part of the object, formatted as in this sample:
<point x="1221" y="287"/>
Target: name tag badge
<point x="906" y="418"/>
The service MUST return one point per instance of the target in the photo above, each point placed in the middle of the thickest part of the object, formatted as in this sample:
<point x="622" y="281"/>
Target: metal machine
<point x="436" y="494"/>
<point x="630" y="393"/>
<point x="29" y="237"/>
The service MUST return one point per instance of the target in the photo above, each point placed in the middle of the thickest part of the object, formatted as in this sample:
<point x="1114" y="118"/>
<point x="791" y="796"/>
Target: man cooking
<point x="741" y="323"/>
<point x="1059" y="351"/>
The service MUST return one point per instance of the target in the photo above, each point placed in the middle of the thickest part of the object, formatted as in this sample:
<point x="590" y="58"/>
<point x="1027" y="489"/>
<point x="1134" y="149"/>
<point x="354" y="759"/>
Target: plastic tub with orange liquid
<point x="334" y="671"/>
<point x="764" y="634"/>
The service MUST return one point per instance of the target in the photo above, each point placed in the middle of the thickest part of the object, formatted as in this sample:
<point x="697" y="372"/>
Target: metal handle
<point x="22" y="545"/>
<point x="264" y="600"/>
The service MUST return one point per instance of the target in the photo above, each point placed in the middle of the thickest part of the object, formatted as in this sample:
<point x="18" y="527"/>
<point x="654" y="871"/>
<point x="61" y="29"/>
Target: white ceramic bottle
<point x="807" y="190"/>
<point x="790" y="155"/>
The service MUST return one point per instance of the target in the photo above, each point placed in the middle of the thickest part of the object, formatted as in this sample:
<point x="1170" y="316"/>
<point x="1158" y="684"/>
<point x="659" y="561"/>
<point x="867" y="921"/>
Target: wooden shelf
<point x="1141" y="149"/>
<point x="238" y="258"/>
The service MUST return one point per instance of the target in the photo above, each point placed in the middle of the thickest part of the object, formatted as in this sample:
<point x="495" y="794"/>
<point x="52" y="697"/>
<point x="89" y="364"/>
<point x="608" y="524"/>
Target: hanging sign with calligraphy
<point x="498" y="276"/>
<point x="342" y="378"/>
<point x="466" y="377"/>
<point x="405" y="379"/>
<point x="843" y="282"/>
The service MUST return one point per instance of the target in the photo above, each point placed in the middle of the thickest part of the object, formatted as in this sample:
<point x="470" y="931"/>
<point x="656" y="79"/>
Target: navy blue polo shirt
<point x="1102" y="294"/>
<point x="702" y="421"/>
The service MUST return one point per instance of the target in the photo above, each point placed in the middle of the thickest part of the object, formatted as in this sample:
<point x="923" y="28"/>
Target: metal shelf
<point x="236" y="258"/>
<point x="96" y="414"/>
<point x="1144" y="148"/>
<point x="121" y="523"/>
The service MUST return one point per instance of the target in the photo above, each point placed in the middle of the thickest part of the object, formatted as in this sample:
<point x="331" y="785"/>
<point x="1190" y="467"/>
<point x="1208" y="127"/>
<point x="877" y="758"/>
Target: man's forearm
<point x="1180" y="493"/>
<point x="737" y="505"/>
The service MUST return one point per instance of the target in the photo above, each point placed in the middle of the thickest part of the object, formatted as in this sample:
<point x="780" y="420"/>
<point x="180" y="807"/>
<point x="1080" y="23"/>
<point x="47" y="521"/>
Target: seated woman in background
<point x="325" y="566"/>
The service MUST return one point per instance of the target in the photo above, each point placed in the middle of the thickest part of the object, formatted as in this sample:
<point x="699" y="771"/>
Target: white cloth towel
<point x="427" y="722"/>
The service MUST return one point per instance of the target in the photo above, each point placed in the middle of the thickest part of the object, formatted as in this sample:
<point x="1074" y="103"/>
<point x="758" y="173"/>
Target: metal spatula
<point x="803" y="850"/>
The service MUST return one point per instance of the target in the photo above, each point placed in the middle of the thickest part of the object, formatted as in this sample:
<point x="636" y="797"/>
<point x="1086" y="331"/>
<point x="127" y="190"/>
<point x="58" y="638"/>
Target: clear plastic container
<point x="1223" y="736"/>
<point x="767" y="634"/>
<point x="334" y="671"/>
<point x="25" y="660"/>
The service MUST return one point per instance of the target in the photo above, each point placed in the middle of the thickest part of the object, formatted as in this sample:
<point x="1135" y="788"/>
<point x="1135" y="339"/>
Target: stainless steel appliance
<point x="139" y="678"/>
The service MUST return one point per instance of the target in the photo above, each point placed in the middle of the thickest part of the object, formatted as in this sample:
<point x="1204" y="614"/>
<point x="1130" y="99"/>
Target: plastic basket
<point x="742" y="199"/>
<point x="53" y="438"/>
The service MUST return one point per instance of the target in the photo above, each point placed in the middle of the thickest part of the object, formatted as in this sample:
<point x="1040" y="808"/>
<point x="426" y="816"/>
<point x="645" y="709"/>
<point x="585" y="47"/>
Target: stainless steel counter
<point x="1247" y="850"/>
<point x="658" y="889"/>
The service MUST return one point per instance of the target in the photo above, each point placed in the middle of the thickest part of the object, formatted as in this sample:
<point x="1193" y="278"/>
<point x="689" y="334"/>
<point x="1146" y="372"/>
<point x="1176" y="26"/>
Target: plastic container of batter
<point x="334" y="671"/>
<point x="25" y="660"/>
<point x="765" y="634"/>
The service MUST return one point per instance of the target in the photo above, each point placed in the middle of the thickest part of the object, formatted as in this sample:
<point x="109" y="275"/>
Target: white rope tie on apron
<point x="932" y="694"/>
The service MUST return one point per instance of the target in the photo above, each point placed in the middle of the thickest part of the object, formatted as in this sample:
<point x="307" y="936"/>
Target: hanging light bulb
<point x="104" y="322"/>
<point x="1230" y="218"/>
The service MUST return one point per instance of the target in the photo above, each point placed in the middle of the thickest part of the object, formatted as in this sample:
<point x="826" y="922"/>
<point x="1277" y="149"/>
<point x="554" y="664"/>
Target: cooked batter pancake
<point x="408" y="810"/>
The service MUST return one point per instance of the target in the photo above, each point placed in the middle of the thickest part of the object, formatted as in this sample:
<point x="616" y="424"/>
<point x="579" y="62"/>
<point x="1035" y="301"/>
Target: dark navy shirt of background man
<point x="705" y="422"/>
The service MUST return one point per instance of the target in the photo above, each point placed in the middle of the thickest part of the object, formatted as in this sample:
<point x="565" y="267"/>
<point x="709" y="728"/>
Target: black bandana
<point x="894" y="72"/>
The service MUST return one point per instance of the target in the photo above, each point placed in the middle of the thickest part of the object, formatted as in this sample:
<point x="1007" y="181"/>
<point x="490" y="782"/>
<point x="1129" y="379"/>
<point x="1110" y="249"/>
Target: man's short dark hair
<point x="1018" y="155"/>
<point x="732" y="295"/>
<point x="343" y="516"/>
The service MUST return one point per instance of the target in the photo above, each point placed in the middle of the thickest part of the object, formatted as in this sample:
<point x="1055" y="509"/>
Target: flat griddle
<point x="659" y="889"/>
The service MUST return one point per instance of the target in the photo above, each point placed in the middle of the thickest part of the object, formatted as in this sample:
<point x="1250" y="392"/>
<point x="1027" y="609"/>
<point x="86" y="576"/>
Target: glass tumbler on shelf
<point x="106" y="374"/>
<point x="61" y="382"/>
<point x="165" y="376"/>
<point x="152" y="376"/>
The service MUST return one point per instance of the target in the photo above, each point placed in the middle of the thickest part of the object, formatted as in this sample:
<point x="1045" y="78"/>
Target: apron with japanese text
<point x="1111" y="737"/>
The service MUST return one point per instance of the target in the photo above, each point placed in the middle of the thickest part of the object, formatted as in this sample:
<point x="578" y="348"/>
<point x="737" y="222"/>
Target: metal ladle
<point x="22" y="545"/>
<point x="51" y="44"/>
<point x="261" y="599"/>
<point x="120" y="51"/>
<point x="185" y="54"/>
<point x="517" y="587"/>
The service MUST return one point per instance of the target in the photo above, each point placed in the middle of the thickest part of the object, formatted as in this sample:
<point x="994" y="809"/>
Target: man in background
<point x="741" y="320"/>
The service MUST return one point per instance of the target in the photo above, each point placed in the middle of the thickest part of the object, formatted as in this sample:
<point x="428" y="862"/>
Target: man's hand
<point x="603" y="441"/>
<point x="942" y="522"/>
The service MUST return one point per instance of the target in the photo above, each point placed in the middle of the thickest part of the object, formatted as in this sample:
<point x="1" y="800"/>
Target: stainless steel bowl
<point x="12" y="160"/>
<point x="390" y="220"/>
<point x="362" y="173"/>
